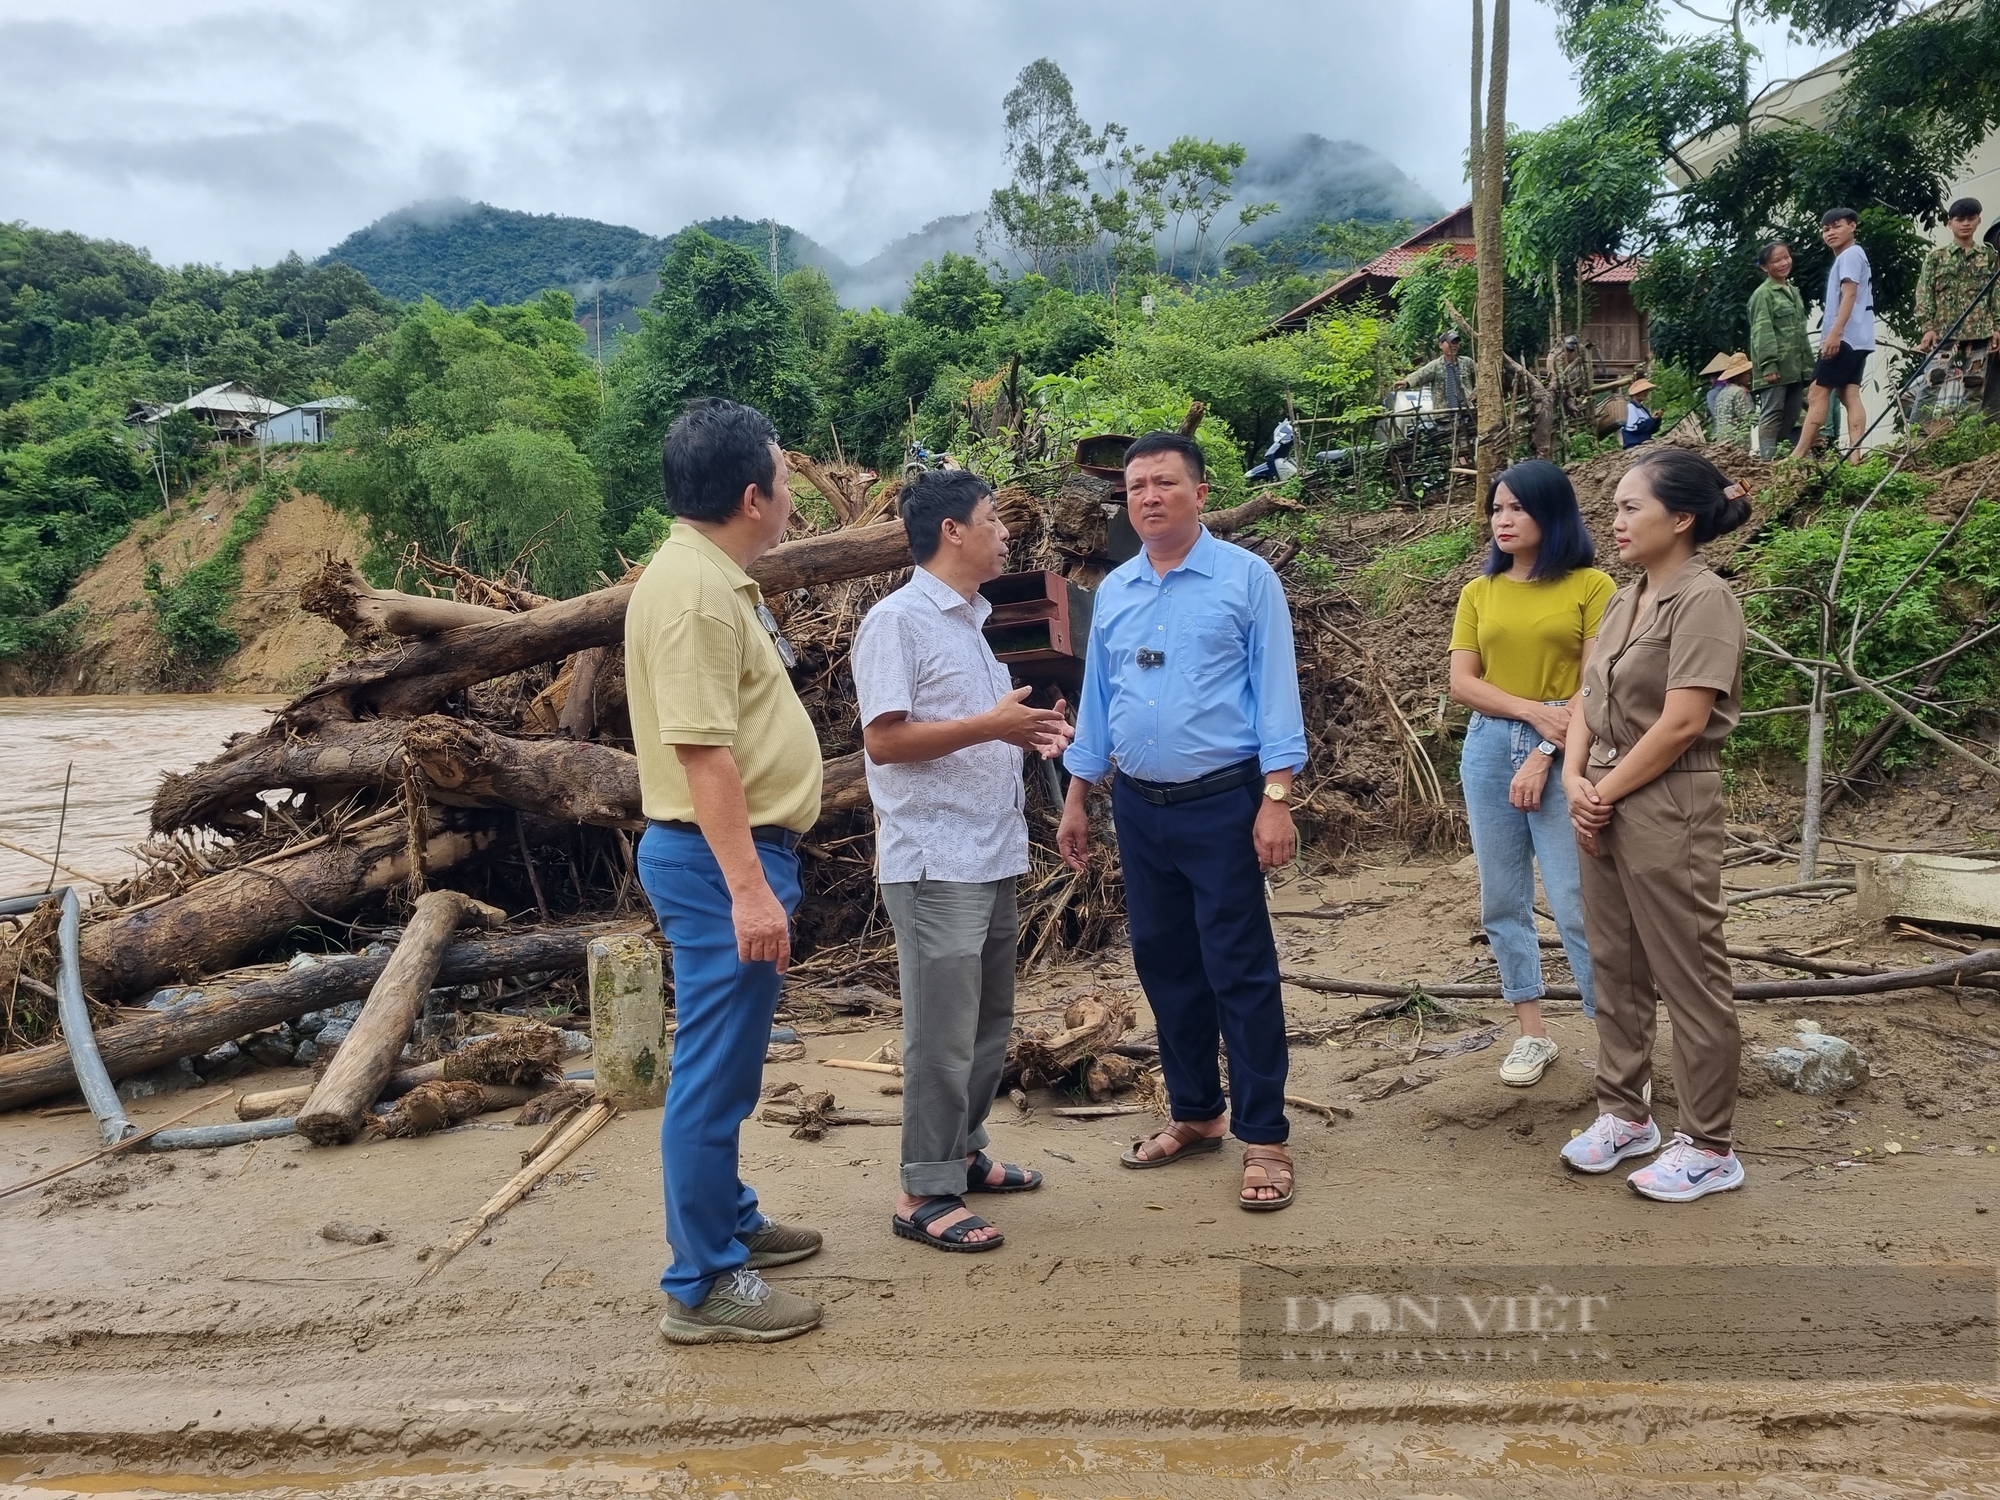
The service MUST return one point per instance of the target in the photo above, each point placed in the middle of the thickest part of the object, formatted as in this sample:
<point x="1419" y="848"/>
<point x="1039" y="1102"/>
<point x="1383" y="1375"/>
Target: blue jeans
<point x="1509" y="843"/>
<point x="723" y="1009"/>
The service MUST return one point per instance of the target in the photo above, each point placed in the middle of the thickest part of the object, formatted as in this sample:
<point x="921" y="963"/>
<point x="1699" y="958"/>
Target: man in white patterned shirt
<point x="944" y="729"/>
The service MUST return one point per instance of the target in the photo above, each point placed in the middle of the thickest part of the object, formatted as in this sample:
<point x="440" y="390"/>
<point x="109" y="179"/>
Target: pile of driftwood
<point x="478" y="745"/>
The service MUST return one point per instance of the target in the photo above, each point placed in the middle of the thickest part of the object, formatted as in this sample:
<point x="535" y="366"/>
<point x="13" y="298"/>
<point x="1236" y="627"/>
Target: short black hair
<point x="1172" y="442"/>
<point x="715" y="450"/>
<point x="1688" y="484"/>
<point x="1835" y="215"/>
<point x="1546" y="495"/>
<point x="931" y="499"/>
<point x="1764" y="255"/>
<point x="1964" y="208"/>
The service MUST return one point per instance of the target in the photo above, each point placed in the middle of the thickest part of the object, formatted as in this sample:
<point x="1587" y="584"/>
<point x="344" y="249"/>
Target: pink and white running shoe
<point x="1609" y="1141"/>
<point x="1685" y="1172"/>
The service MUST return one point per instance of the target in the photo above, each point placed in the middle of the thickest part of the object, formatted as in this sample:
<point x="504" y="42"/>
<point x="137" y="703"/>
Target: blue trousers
<point x="723" y="1009"/>
<point x="1509" y="843"/>
<point x="1202" y="943"/>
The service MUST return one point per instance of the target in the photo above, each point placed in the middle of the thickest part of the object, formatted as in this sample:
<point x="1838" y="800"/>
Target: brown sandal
<point x="1189" y="1142"/>
<point x="1278" y="1174"/>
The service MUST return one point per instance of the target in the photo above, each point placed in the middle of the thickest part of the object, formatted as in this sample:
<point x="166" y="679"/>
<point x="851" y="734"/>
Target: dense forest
<point x="1114" y="285"/>
<point x="87" y="327"/>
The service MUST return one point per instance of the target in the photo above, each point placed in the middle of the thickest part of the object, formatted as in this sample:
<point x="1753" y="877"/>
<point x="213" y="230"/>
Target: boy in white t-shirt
<point x="1847" y="332"/>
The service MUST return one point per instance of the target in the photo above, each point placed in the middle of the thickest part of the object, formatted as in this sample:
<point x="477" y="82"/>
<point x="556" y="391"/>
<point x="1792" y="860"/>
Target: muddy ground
<point x="175" y="1325"/>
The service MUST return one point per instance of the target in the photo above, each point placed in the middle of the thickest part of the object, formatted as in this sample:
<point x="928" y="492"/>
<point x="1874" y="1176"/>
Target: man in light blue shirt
<point x="1191" y="701"/>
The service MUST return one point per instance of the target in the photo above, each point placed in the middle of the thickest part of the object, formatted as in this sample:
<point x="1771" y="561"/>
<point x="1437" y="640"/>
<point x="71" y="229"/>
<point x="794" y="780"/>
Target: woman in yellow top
<point x="1517" y="654"/>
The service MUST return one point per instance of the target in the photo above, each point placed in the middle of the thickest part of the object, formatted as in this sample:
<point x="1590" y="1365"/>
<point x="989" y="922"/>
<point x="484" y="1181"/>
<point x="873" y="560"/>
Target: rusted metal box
<point x="1037" y="618"/>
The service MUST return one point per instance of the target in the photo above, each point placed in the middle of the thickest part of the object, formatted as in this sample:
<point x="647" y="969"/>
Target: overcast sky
<point x="224" y="132"/>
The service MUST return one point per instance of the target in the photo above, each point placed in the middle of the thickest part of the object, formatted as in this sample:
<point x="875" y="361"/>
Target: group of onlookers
<point x="1784" y="390"/>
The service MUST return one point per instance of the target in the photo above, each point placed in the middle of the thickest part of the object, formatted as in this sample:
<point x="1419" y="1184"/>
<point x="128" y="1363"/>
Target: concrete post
<point x="628" y="1021"/>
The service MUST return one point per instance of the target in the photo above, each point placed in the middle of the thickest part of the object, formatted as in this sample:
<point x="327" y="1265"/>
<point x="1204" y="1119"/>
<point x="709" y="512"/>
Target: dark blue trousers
<point x="1202" y="943"/>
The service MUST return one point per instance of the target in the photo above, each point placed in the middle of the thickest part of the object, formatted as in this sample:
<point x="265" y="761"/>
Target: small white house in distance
<point x="308" y="422"/>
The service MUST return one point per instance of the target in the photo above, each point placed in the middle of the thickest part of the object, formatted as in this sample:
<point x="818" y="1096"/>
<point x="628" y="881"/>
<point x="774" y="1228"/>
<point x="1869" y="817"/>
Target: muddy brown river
<point x="113" y="750"/>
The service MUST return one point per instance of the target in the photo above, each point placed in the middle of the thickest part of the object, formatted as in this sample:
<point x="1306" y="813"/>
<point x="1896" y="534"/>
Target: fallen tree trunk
<point x="574" y="780"/>
<point x="234" y="1009"/>
<point x="416" y="676"/>
<point x="578" y="720"/>
<point x="462" y="764"/>
<point x="830" y="488"/>
<point x="214" y="923"/>
<point x="525" y="1055"/>
<point x="1944" y="974"/>
<point x="441" y="1104"/>
<point x="358" y="755"/>
<point x="335" y="1112"/>
<point x="1222" y="522"/>
<point x="339" y="593"/>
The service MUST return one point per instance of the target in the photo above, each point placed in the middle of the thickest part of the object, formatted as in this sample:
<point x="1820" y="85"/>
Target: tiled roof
<point x="1400" y="261"/>
<point x="1614" y="272"/>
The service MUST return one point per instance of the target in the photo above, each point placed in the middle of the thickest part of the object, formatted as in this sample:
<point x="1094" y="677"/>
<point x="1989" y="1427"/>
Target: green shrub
<point x="1960" y="586"/>
<point x="1970" y="437"/>
<point x="1400" y="574"/>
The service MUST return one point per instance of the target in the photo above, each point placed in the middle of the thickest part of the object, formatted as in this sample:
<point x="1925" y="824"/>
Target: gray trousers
<point x="1778" y="411"/>
<point x="955" y="955"/>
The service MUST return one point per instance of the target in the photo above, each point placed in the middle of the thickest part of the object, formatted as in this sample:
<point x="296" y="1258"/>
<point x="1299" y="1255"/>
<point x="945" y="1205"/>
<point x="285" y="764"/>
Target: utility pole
<point x="1488" y="161"/>
<point x="597" y="328"/>
<point x="772" y="224"/>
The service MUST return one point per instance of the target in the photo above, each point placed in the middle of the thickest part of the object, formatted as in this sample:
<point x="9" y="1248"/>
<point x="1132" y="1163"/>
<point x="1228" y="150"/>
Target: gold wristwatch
<point x="1277" y="791"/>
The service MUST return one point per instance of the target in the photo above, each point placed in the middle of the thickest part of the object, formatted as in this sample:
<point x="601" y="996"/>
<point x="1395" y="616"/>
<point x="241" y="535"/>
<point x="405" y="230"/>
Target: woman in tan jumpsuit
<point x="1643" y="774"/>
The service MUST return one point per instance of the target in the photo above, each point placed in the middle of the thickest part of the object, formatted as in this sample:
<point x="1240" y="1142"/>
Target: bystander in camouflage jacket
<point x="1778" y="339"/>
<point x="1950" y="280"/>
<point x="1736" y="417"/>
<point x="1432" y="377"/>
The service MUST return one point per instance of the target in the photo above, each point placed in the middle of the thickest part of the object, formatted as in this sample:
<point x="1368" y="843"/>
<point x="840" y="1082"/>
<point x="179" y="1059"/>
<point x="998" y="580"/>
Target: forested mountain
<point x="1314" y="180"/>
<point x="461" y="253"/>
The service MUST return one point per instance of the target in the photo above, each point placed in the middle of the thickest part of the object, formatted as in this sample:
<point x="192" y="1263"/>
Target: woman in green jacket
<point x="1780" y="353"/>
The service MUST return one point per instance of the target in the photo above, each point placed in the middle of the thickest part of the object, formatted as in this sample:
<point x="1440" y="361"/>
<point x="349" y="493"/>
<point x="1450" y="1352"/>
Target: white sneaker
<point x="1685" y="1172"/>
<point x="1527" y="1060"/>
<point x="1609" y="1141"/>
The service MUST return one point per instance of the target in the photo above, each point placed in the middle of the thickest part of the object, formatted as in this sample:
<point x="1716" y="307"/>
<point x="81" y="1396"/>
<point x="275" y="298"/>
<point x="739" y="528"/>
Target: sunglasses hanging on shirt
<point x="770" y="623"/>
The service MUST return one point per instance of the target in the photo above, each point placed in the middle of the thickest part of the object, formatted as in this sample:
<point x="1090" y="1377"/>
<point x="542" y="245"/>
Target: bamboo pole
<point x="522" y="1183"/>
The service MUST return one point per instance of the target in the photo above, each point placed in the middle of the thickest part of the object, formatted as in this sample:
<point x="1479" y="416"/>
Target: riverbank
<point x="115" y="647"/>
<point x="181" y="1316"/>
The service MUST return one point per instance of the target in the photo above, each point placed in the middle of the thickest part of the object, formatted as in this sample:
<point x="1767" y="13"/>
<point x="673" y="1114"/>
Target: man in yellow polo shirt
<point x="729" y="773"/>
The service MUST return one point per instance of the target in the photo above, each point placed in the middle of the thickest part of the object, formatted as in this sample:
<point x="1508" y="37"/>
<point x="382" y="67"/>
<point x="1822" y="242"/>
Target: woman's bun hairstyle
<point x="1685" y="482"/>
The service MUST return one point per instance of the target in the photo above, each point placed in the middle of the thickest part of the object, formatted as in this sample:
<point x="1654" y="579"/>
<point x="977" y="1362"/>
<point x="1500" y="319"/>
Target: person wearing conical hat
<point x="1640" y="424"/>
<point x="1712" y="372"/>
<point x="1736" y="411"/>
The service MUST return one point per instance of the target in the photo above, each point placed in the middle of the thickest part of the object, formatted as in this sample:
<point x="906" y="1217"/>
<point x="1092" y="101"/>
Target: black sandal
<point x="1013" y="1179"/>
<point x="917" y="1227"/>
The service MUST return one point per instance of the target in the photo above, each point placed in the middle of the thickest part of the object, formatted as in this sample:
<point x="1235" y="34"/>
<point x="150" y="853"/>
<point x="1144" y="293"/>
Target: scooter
<point x="1277" y="461"/>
